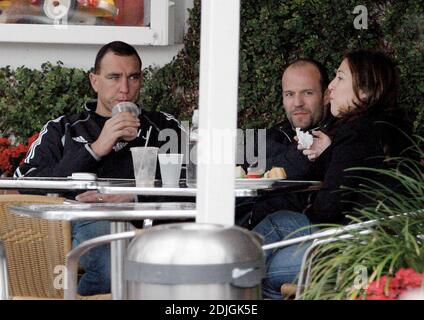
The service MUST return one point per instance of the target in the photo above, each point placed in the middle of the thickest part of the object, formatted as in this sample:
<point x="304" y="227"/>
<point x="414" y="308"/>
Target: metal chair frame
<point x="318" y="239"/>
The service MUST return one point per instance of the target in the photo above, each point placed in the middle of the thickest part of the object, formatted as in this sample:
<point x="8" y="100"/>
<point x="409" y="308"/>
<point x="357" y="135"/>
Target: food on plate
<point x="305" y="138"/>
<point x="240" y="173"/>
<point x="254" y="175"/>
<point x="276" y="173"/>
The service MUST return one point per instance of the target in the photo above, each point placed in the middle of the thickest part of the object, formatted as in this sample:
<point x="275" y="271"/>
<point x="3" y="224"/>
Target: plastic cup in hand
<point x="144" y="161"/>
<point x="126" y="106"/>
<point x="170" y="168"/>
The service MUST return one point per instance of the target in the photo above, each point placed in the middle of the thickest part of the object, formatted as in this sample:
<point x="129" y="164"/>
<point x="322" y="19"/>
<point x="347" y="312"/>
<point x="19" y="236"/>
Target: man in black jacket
<point x="304" y="84"/>
<point x="94" y="141"/>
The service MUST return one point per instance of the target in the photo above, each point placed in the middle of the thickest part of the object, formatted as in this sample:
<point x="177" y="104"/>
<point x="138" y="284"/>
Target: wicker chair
<point x="35" y="250"/>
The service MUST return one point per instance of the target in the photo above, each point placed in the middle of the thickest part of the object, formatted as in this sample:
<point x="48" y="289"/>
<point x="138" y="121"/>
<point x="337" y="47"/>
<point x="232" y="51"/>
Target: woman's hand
<point x="321" y="142"/>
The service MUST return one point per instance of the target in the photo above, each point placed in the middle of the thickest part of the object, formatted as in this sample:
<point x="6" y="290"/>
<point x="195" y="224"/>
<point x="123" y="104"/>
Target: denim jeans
<point x="283" y="265"/>
<point x="96" y="262"/>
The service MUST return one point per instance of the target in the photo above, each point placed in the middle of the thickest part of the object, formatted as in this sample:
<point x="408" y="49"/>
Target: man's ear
<point x="93" y="81"/>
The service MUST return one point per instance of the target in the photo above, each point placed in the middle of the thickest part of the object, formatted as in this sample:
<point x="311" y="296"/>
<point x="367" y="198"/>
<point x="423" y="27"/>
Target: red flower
<point x="408" y="278"/>
<point x="12" y="156"/>
<point x="4" y="142"/>
<point x="404" y="279"/>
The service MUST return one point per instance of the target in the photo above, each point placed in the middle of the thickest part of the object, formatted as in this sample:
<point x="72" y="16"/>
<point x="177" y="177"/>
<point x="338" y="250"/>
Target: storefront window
<point x="73" y="12"/>
<point x="146" y="22"/>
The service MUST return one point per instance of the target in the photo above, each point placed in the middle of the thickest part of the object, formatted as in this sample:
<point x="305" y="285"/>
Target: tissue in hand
<point x="305" y="138"/>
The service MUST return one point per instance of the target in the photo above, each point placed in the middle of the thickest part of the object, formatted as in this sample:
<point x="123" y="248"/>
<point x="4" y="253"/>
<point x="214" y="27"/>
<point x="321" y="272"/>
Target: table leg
<point x="117" y="256"/>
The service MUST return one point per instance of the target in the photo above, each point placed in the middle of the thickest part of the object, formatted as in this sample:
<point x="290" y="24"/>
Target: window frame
<point x="155" y="34"/>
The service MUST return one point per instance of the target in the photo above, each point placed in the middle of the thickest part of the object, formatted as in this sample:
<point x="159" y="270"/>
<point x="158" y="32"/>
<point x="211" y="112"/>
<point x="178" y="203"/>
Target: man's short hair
<point x="117" y="47"/>
<point x="320" y="67"/>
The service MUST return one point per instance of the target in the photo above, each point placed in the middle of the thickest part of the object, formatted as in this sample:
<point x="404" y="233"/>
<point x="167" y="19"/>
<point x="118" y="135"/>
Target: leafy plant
<point x="29" y="98"/>
<point x="394" y="243"/>
<point x="273" y="33"/>
<point x="174" y="88"/>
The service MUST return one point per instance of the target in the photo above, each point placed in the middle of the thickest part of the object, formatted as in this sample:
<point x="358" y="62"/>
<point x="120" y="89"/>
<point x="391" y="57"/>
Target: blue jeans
<point x="96" y="262"/>
<point x="283" y="265"/>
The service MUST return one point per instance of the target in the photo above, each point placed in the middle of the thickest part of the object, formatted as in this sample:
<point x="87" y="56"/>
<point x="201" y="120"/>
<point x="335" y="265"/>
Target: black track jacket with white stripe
<point x="63" y="146"/>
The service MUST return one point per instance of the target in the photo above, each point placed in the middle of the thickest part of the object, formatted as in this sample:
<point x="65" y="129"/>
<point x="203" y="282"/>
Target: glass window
<point x="73" y="12"/>
<point x="146" y="22"/>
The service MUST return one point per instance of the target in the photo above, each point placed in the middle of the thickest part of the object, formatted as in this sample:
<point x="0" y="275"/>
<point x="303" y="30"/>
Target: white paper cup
<point x="144" y="161"/>
<point x="170" y="168"/>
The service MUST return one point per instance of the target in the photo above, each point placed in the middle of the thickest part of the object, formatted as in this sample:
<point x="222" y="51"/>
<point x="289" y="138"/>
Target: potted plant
<point x="387" y="261"/>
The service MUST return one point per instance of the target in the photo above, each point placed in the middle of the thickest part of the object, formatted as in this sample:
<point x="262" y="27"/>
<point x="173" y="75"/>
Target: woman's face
<point x="342" y="96"/>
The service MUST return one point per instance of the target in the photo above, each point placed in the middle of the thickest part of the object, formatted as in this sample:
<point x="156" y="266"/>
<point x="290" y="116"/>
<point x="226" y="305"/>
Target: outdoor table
<point x="243" y="190"/>
<point x="57" y="183"/>
<point x="118" y="214"/>
<point x="128" y="186"/>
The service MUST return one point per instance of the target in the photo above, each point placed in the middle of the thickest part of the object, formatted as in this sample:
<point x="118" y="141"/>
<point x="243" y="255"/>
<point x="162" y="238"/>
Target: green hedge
<point x="29" y="98"/>
<point x="273" y="32"/>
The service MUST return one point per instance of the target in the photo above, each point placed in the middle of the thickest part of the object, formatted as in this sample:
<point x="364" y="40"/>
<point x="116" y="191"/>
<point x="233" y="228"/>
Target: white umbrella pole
<point x="219" y="65"/>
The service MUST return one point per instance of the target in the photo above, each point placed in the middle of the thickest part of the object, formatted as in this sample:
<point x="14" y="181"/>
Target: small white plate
<point x="256" y="183"/>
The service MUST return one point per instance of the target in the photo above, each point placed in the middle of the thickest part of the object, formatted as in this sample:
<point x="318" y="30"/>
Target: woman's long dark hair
<point x="374" y="73"/>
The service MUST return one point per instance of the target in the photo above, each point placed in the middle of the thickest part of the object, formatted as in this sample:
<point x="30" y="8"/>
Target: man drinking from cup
<point x="95" y="141"/>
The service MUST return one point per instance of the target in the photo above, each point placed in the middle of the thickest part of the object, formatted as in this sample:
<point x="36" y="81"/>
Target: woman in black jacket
<point x="362" y="93"/>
